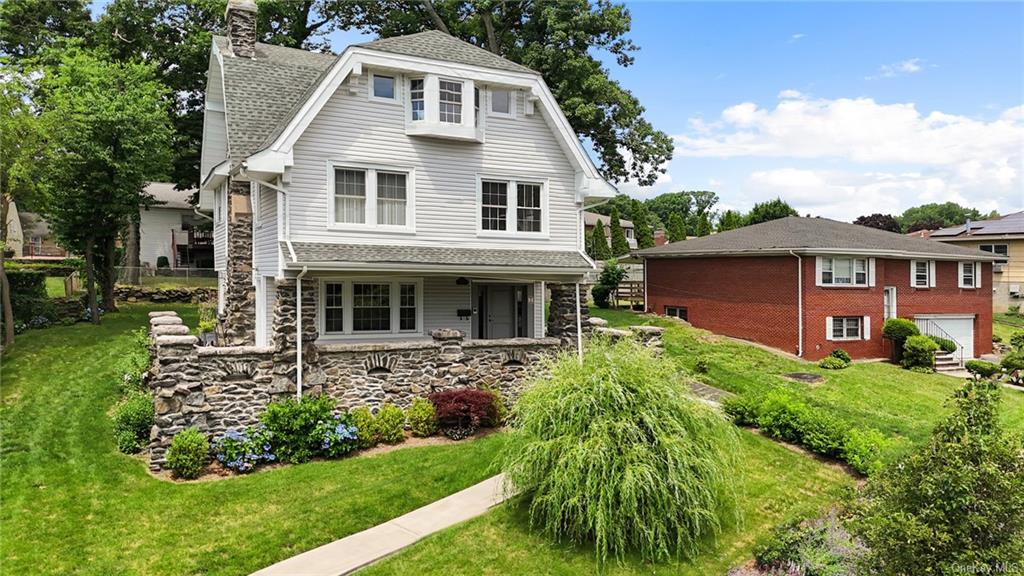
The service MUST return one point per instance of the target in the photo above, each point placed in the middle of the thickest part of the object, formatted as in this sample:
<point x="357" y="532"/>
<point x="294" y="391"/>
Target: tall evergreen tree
<point x="729" y="220"/>
<point x="600" y="250"/>
<point x="620" y="245"/>
<point x="642" y="229"/>
<point x="676" y="228"/>
<point x="703" y="227"/>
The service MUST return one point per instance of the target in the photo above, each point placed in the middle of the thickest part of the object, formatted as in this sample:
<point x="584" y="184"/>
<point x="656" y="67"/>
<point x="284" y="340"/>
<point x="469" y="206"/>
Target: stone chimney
<point x="241" y="19"/>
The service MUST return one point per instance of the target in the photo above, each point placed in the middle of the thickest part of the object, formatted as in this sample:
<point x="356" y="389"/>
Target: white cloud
<point x="661" y="185"/>
<point x="901" y="68"/>
<point x="791" y="95"/>
<point x="796" y="37"/>
<point x="905" y="157"/>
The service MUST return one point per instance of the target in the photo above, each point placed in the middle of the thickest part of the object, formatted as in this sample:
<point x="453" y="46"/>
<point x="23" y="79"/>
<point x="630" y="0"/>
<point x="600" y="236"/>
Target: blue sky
<point x="839" y="108"/>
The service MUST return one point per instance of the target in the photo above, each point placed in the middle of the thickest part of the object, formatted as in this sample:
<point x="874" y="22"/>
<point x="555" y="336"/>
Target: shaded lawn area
<point x="1004" y="325"/>
<point x="55" y="287"/>
<point x="902" y="404"/>
<point x="774" y="483"/>
<point x="72" y="504"/>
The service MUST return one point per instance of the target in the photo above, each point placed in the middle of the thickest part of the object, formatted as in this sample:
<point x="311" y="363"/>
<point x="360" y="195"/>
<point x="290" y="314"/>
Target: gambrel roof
<point x="437" y="45"/>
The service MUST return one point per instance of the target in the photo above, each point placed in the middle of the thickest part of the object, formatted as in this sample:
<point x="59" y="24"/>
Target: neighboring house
<point x="406" y="185"/>
<point x="660" y="237"/>
<point x="171" y="229"/>
<point x="39" y="242"/>
<point x="810" y="285"/>
<point x="590" y="219"/>
<point x="1003" y="237"/>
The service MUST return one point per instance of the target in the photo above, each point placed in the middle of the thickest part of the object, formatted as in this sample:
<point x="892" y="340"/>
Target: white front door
<point x="960" y="328"/>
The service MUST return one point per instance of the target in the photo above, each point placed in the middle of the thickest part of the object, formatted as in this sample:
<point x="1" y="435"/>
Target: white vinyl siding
<point x="443" y="298"/>
<point x="354" y="130"/>
<point x="159" y="230"/>
<point x="922" y="273"/>
<point x="264" y="236"/>
<point x="220" y="228"/>
<point x="215" y="132"/>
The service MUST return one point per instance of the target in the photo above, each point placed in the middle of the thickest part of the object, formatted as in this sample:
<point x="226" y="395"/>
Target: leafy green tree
<point x="703" y="204"/>
<point x="27" y="27"/>
<point x="703" y="226"/>
<point x="770" y="210"/>
<point x="560" y="39"/>
<point x="599" y="248"/>
<point x="642" y="229"/>
<point x="621" y="202"/>
<point x="958" y="501"/>
<point x="620" y="245"/>
<point x="729" y="220"/>
<point x="886" y="222"/>
<point x="937" y="215"/>
<point x="676" y="228"/>
<point x="108" y="135"/>
<point x="664" y="205"/>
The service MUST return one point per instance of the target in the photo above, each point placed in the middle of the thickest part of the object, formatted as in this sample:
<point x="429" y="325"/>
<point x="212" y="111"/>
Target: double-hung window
<point x="969" y="274"/>
<point x="416" y="101"/>
<point x="371" y="307"/>
<point x="450" y="101"/>
<point x="372" y="198"/>
<point x="512" y="206"/>
<point x="844" y="271"/>
<point x="846" y="327"/>
<point x="922" y="273"/>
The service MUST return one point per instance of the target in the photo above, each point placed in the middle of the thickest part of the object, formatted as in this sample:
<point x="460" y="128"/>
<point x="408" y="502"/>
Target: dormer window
<point x="450" y="100"/>
<point x="416" y="102"/>
<point x="502" y="103"/>
<point x="383" y="87"/>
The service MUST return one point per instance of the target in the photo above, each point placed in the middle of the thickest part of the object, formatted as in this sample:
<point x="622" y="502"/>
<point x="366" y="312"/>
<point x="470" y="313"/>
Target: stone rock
<point x="165" y="320"/>
<point x="170" y="330"/>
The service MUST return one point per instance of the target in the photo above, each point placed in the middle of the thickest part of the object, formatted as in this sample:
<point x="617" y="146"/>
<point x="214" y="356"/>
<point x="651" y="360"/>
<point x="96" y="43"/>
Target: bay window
<point x="450" y="101"/>
<point x="371" y="307"/>
<point x="370" y="197"/>
<point x="512" y="206"/>
<point x="416" y="101"/>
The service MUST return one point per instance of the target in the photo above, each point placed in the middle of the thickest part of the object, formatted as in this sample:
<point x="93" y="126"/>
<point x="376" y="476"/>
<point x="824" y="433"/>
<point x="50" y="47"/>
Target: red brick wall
<point x="755" y="299"/>
<point x="751" y="298"/>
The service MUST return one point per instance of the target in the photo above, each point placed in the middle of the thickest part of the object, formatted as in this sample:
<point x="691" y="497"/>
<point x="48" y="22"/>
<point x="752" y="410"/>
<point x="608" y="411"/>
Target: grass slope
<point x="71" y="504"/>
<point x="904" y="405"/>
<point x="1004" y="325"/>
<point x="773" y="484"/>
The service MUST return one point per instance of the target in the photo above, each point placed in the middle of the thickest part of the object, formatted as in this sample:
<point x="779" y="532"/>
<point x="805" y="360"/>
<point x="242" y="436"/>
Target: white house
<point x="169" y="228"/>
<point x="406" y="185"/>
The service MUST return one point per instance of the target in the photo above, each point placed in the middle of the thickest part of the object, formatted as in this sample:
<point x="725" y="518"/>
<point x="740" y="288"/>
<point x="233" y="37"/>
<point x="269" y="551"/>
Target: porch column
<point x="284" y="319"/>
<point x="237" y="326"/>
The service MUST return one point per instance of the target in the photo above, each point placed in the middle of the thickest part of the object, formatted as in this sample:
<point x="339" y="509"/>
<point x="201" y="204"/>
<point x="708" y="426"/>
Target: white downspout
<point x="799" y="303"/>
<point x="298" y="332"/>
<point x="579" y="325"/>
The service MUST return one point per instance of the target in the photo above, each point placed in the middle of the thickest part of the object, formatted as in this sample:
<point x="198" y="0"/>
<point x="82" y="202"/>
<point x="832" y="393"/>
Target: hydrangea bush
<point x="243" y="451"/>
<point x="338" y="436"/>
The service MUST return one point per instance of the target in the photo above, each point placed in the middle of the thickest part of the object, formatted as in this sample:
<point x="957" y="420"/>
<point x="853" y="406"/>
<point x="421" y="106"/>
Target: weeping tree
<point x="612" y="453"/>
<point x="107" y="135"/>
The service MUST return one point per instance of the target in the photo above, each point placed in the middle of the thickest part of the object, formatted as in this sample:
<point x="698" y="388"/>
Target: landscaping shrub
<point x="1013" y="365"/>
<point x="780" y="416"/>
<point x="292" y="424"/>
<point x="243" y="451"/>
<point x="919" y="352"/>
<point x="461" y="411"/>
<point x="945" y="344"/>
<point x="842" y="355"/>
<point x="996" y="338"/>
<point x="389" y="424"/>
<point x="134" y="364"/>
<point x="337" y="435"/>
<point x="601" y="295"/>
<point x="956" y="502"/>
<point x="742" y="409"/>
<point x="823" y="433"/>
<point x="163" y="262"/>
<point x="613" y="453"/>
<point x="1013" y="310"/>
<point x="363" y="420"/>
<point x="898" y="330"/>
<point x="1017" y="340"/>
<point x="981" y="369"/>
<point x="812" y="547"/>
<point x="862" y="449"/>
<point x="832" y="363"/>
<point x="187" y="454"/>
<point x="422" y="418"/>
<point x="133" y="418"/>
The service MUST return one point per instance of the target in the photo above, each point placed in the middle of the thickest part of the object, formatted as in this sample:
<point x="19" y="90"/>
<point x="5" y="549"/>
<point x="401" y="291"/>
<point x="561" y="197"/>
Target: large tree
<point x="108" y="135"/>
<point x="643" y="231"/>
<point x="597" y="245"/>
<point x="880" y="221"/>
<point x="770" y="210"/>
<point x="665" y="205"/>
<point x="676" y="228"/>
<point x="620" y="245"/>
<point x="935" y="215"/>
<point x="28" y="27"/>
<point x="561" y="39"/>
<point x="729" y="220"/>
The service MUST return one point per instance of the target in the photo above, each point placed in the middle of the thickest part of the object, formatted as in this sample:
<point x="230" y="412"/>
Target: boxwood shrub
<point x="366" y="435"/>
<point x="133" y="418"/>
<point x="919" y="352"/>
<point x="981" y="369"/>
<point x="422" y="418"/>
<point x="389" y="424"/>
<point x="187" y="454"/>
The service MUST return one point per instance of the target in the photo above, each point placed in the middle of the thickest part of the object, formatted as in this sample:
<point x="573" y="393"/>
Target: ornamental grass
<point x="613" y="453"/>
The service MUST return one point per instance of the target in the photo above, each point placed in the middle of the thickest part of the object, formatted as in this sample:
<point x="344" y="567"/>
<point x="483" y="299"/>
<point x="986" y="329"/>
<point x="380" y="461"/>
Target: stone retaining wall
<point x="127" y="293"/>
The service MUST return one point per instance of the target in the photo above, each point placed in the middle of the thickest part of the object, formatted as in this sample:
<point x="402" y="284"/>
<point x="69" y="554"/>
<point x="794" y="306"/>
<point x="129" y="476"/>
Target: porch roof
<point x="321" y="255"/>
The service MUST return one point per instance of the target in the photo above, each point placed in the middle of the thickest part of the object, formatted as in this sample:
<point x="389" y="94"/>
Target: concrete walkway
<point x="353" y="552"/>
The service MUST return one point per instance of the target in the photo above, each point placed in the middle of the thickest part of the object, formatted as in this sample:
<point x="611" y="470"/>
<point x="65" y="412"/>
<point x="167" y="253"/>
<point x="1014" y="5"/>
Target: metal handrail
<point x="929" y="328"/>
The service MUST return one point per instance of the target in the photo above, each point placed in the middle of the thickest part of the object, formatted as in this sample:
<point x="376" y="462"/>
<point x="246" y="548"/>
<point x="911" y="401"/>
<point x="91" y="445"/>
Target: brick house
<point x="810" y="285"/>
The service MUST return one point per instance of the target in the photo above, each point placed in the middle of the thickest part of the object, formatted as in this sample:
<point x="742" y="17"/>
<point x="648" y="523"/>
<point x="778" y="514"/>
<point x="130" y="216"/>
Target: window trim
<point x="869" y="272"/>
<point x="255" y="204"/>
<point x="369" y="222"/>
<point x="511" y="114"/>
<point x="686" y="312"/>
<point x="512" y="210"/>
<point x="931" y="274"/>
<point x="976" y="276"/>
<point x="461" y="103"/>
<point x="1005" y="256"/>
<point x="396" y="80"/>
<point x="347" y="308"/>
<point x="863" y="328"/>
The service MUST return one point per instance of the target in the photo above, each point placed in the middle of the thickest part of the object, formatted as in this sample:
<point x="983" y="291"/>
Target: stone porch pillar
<point x="562" y="313"/>
<point x="237" y="326"/>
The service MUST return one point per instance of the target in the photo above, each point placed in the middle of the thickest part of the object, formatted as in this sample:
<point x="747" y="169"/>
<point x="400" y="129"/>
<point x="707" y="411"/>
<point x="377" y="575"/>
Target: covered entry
<point x="502" y="310"/>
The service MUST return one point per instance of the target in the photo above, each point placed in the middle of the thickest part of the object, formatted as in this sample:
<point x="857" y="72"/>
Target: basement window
<point x="677" y="312"/>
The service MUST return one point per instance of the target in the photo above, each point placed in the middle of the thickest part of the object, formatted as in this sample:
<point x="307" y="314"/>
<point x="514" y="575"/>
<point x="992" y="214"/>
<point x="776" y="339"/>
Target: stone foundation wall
<point x="126" y="293"/>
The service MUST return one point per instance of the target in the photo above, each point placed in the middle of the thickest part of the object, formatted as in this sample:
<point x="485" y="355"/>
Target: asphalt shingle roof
<point x="317" y="252"/>
<point x="437" y="45"/>
<point x="166" y="196"/>
<point x="806" y="235"/>
<point x="1009" y="224"/>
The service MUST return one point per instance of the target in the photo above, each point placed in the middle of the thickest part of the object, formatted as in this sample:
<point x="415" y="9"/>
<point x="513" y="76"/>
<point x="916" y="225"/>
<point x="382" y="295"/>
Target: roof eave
<point x="896" y="254"/>
<point x="415" y="267"/>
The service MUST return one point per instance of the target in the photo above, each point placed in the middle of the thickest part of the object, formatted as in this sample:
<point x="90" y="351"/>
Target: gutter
<point x="298" y="332"/>
<point x="196" y="211"/>
<point x="891" y="254"/>
<point x="799" y="304"/>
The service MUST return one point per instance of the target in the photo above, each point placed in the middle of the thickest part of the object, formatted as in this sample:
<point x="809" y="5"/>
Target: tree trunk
<point x="131" y="250"/>
<point x="90" y="279"/>
<point x="5" y="285"/>
<point x="109" y="276"/>
<point x="492" y="39"/>
<point x="428" y="5"/>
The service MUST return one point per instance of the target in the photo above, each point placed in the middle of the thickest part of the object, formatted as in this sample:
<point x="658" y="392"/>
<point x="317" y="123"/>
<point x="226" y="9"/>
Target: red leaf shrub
<point x="465" y="408"/>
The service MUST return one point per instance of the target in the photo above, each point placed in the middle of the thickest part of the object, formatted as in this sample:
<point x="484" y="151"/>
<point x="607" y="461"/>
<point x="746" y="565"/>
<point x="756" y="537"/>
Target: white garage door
<point x="961" y="328"/>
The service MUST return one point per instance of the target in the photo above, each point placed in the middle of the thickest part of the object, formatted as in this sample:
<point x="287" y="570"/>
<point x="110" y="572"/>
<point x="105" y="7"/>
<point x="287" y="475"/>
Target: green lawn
<point x="904" y="405"/>
<point x="72" y="504"/>
<point x="1004" y="325"/>
<point x="775" y="483"/>
<point x="55" y="287"/>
